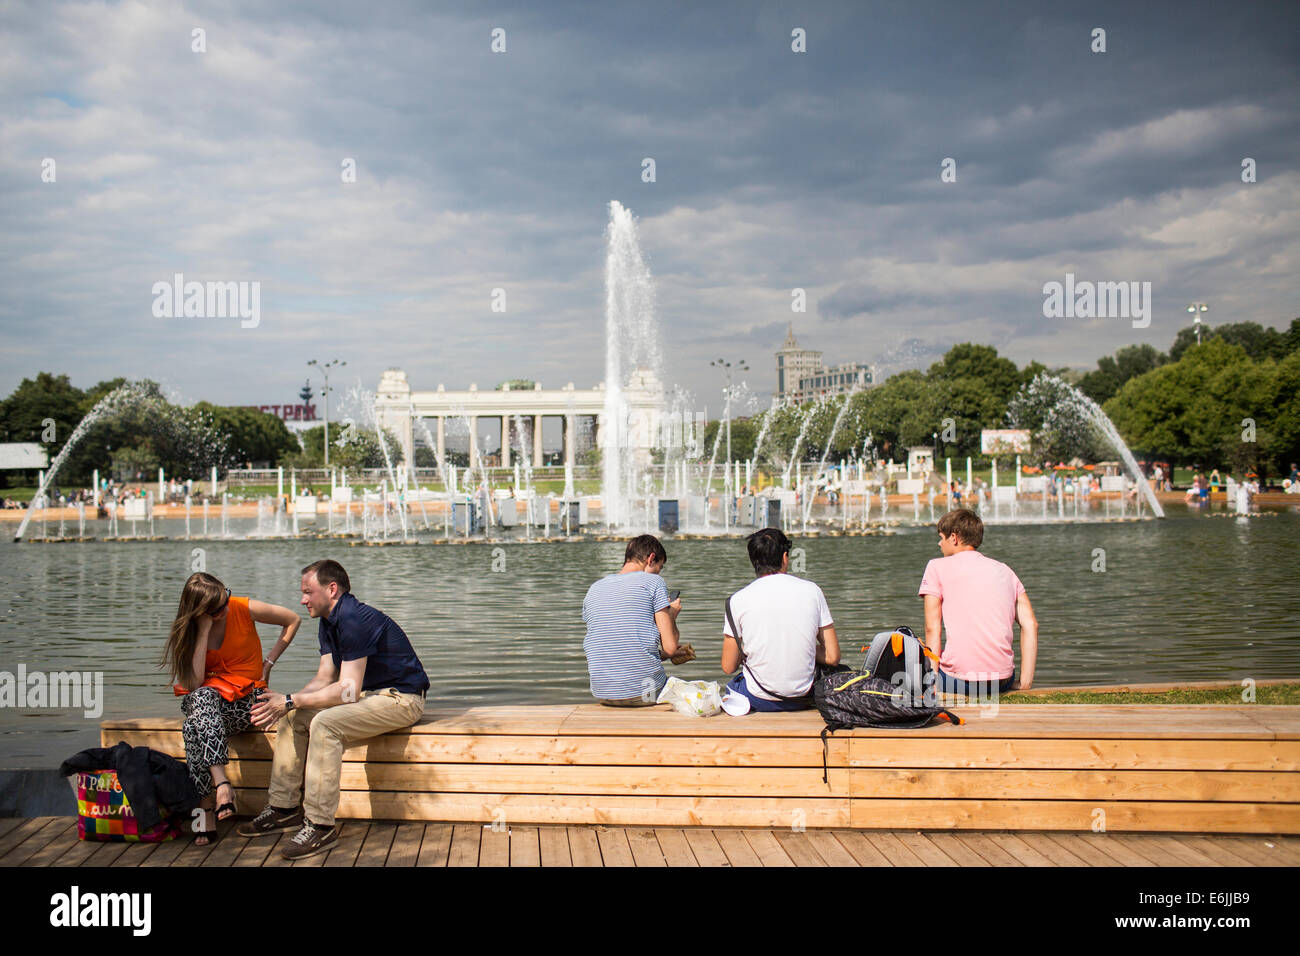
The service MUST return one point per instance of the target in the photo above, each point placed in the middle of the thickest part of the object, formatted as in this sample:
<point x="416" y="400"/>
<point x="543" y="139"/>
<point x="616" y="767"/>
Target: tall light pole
<point x="739" y="366"/>
<point x="1196" y="308"/>
<point x="325" y="370"/>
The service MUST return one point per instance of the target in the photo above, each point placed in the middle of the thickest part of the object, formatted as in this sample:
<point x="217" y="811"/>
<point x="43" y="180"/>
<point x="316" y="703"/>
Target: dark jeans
<point x="762" y="703"/>
<point x="947" y="684"/>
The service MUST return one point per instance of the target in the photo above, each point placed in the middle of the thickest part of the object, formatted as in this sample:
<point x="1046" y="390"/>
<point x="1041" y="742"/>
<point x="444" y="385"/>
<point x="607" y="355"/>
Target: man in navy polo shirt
<point x="369" y="682"/>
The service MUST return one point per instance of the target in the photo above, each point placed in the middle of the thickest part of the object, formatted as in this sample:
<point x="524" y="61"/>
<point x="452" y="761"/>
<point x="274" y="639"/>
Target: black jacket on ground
<point x="149" y="779"/>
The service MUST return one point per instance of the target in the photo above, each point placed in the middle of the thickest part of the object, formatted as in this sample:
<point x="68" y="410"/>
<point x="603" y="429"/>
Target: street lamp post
<point x="739" y="366"/>
<point x="325" y="370"/>
<point x="1196" y="308"/>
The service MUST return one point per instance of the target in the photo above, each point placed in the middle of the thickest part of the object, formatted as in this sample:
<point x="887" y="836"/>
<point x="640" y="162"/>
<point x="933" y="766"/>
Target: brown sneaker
<point x="271" y="821"/>
<point x="310" y="840"/>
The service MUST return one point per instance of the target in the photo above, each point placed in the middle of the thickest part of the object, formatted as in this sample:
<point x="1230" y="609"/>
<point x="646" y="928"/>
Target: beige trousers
<point x="309" y="747"/>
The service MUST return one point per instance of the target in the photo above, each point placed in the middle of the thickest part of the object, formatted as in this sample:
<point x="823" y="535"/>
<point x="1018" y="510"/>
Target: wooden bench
<point x="1207" y="768"/>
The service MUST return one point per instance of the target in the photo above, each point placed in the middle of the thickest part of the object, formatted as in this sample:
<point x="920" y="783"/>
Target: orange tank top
<point x="235" y="668"/>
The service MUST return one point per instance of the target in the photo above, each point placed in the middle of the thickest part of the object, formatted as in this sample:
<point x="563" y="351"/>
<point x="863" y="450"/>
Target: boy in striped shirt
<point x="632" y="628"/>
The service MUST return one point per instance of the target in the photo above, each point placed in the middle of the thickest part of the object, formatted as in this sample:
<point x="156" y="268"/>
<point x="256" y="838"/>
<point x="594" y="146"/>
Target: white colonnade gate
<point x="397" y="406"/>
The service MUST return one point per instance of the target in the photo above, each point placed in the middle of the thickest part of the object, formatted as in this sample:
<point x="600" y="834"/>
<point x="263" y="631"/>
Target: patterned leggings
<point x="210" y="719"/>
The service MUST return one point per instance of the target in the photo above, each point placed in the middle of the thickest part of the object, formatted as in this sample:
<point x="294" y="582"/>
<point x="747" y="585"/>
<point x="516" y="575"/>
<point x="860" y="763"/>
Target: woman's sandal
<point x="225" y="808"/>
<point x="205" y="837"/>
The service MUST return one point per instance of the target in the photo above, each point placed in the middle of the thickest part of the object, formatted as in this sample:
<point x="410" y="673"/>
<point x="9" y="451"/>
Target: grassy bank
<point x="1267" y="694"/>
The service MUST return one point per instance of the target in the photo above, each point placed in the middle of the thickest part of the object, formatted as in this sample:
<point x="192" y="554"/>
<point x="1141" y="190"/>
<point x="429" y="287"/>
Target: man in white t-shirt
<point x="785" y="629"/>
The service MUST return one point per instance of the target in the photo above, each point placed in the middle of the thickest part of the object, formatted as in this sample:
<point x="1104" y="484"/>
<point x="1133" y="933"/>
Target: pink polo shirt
<point x="979" y="608"/>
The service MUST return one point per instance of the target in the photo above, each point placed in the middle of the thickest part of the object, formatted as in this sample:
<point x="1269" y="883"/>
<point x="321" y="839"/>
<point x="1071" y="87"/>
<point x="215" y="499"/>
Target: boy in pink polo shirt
<point x="976" y="600"/>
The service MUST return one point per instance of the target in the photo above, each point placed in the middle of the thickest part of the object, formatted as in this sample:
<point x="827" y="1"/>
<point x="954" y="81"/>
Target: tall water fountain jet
<point x="366" y="400"/>
<point x="115" y="401"/>
<point x="1057" y="396"/>
<point x="631" y="344"/>
<point x="821" y="466"/>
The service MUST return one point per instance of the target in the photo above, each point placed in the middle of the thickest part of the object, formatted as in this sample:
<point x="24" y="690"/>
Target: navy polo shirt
<point x="354" y="630"/>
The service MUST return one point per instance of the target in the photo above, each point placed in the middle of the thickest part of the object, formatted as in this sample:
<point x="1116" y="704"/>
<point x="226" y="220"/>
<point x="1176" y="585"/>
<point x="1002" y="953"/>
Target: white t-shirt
<point x="778" y="616"/>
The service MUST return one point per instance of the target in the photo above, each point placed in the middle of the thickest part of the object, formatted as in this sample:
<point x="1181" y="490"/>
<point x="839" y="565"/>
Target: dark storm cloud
<point x="775" y="171"/>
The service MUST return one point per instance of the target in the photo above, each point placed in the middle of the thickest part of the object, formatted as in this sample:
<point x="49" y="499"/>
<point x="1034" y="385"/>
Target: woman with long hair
<point x="215" y="658"/>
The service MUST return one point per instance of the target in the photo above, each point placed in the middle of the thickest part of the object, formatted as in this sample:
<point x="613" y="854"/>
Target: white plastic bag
<point x="696" y="698"/>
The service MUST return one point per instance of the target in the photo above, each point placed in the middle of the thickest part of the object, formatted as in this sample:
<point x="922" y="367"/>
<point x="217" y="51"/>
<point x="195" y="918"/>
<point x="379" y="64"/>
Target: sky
<point x="774" y="170"/>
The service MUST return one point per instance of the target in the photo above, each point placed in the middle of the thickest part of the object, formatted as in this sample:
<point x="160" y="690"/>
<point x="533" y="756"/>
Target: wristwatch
<point x="288" y="702"/>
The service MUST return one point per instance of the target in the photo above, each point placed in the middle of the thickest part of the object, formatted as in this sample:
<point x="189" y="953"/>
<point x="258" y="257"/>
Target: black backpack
<point x="893" y="694"/>
<point x="898" y="652"/>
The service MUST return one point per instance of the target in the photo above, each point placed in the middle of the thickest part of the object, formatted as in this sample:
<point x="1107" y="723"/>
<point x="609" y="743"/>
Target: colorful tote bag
<point x="105" y="815"/>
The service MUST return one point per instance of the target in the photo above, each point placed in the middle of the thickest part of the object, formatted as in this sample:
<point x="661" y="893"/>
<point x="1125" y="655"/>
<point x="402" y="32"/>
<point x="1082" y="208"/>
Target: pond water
<point x="1192" y="597"/>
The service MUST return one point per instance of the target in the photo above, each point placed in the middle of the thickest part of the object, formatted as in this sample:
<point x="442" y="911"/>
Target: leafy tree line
<point x="1259" y="343"/>
<point x="969" y="389"/>
<point x="1231" y="402"/>
<point x="144" y="432"/>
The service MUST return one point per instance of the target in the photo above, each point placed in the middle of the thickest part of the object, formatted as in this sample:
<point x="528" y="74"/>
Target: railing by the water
<point x="242" y="477"/>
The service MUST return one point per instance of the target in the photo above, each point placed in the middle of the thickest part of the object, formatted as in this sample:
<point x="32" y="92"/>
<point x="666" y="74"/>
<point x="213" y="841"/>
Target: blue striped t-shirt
<point x="622" y="642"/>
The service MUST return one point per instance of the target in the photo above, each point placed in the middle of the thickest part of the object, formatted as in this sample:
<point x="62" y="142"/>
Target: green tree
<point x="29" y="411"/>
<point x="1113" y="371"/>
<point x="744" y="432"/>
<point x="1190" y="410"/>
<point x="1059" y="423"/>
<point x="1258" y="341"/>
<point x="350" y="447"/>
<point x="254" y="435"/>
<point x="1284" y="410"/>
<point x="982" y="363"/>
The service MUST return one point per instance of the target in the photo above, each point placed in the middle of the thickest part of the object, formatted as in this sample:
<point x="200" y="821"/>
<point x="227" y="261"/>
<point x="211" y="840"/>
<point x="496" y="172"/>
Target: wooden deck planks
<point x="798" y="848"/>
<point x="19" y="834"/>
<point x="830" y="849"/>
<point x="766" y="847"/>
<point x="645" y="848"/>
<point x="375" y="847"/>
<point x="675" y="847"/>
<point x="706" y="848"/>
<point x="525" y="848"/>
<point x="389" y="843"/>
<point x="893" y="849"/>
<point x="736" y="847"/>
<point x="46" y="831"/>
<point x="49" y="854"/>
<point x="1256" y="849"/>
<point x="1075" y="844"/>
<point x="346" y="851"/>
<point x="584" y="847"/>
<point x="614" y="848"/>
<point x="981" y="844"/>
<point x="435" y="848"/>
<point x="405" y="850"/>
<point x="494" y="846"/>
<point x="955" y="850"/>
<point x="465" y="840"/>
<point x="925" y="849"/>
<point x="553" y="843"/>
<point x="861" y="849"/>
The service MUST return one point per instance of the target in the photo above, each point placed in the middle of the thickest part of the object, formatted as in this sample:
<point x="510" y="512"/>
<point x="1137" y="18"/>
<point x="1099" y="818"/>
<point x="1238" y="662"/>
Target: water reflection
<point x="1189" y="598"/>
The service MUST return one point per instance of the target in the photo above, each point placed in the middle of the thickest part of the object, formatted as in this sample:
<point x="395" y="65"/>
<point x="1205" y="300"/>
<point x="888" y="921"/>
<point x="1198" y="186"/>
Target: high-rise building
<point x="801" y="376"/>
<point x="793" y="364"/>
